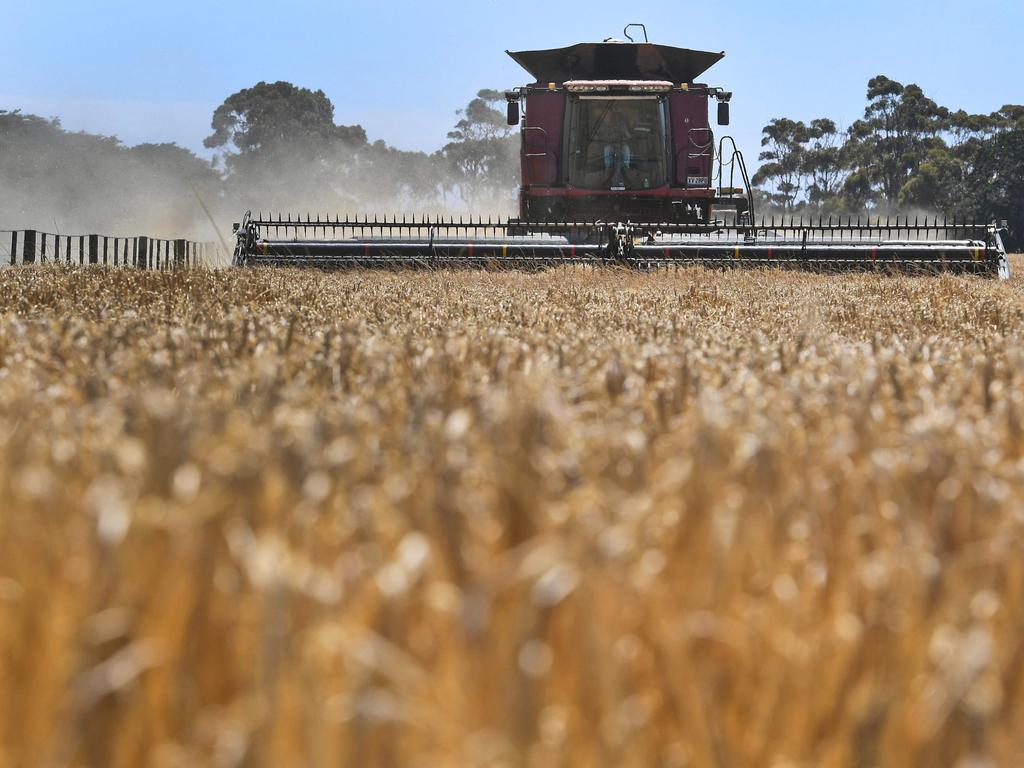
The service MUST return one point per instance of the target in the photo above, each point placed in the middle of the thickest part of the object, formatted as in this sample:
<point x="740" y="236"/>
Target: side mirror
<point x="723" y="113"/>
<point x="513" y="113"/>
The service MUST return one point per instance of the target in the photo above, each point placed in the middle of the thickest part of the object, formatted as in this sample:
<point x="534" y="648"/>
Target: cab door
<point x="542" y="139"/>
<point x="693" y="142"/>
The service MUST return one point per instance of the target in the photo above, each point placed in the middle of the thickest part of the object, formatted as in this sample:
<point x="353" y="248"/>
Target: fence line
<point x="30" y="246"/>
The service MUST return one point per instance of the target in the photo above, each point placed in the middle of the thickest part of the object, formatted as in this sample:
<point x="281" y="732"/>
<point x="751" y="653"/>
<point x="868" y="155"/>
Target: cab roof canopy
<point x="613" y="60"/>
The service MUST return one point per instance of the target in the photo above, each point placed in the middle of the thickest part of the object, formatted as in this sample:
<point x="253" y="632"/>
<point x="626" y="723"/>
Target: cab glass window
<point x="617" y="143"/>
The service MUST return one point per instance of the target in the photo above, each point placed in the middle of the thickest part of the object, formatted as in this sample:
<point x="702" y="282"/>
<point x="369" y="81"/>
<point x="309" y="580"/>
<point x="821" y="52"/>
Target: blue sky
<point x="147" y="71"/>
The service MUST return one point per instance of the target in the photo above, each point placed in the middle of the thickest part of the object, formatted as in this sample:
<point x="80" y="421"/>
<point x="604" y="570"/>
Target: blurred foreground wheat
<point x="257" y="518"/>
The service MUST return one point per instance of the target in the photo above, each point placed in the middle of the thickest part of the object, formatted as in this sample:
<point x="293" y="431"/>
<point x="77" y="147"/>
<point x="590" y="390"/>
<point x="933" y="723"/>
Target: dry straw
<point x="272" y="518"/>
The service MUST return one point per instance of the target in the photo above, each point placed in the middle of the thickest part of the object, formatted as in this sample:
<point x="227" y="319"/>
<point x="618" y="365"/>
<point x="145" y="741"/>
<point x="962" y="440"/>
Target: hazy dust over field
<point x="265" y="518"/>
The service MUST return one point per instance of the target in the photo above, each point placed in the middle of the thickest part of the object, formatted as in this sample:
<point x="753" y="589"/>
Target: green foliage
<point x="782" y="159"/>
<point x="823" y="161"/>
<point x="906" y="153"/>
<point x="483" y="151"/>
<point x="282" y="140"/>
<point x="799" y="158"/>
<point x="273" y="116"/>
<point x="899" y="128"/>
<point x="996" y="185"/>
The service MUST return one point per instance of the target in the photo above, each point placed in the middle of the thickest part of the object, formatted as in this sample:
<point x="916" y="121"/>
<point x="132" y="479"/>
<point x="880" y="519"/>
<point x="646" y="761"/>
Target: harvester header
<point x="620" y="164"/>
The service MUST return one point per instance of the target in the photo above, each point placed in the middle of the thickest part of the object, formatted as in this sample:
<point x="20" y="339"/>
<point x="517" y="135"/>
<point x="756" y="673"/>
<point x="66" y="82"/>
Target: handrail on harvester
<point x="625" y="31"/>
<point x="734" y="160"/>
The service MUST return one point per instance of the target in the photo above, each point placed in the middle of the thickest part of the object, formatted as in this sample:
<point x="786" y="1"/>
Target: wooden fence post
<point x="28" y="247"/>
<point x="42" y="249"/>
<point x="179" y="253"/>
<point x="94" y="249"/>
<point x="69" y="248"/>
<point x="14" y="248"/>
<point x="143" y="252"/>
<point x="81" y="249"/>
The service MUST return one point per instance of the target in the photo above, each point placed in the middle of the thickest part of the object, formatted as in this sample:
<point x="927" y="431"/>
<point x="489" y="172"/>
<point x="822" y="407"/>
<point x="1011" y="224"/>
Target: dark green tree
<point x="483" y="152"/>
<point x="271" y="117"/>
<point x="996" y="183"/>
<point x="801" y="164"/>
<point x="939" y="183"/>
<point x="958" y="179"/>
<point x="781" y="171"/>
<point x="281" y="149"/>
<point x="824" y="162"/>
<point x="887" y="147"/>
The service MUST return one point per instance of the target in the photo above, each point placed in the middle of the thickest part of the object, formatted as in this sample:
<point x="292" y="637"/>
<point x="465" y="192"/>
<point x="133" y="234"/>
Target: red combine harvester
<point x="619" y="132"/>
<point x="620" y="166"/>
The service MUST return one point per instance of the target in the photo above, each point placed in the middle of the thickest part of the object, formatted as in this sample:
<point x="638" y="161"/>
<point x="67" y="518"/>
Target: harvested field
<point x="280" y="518"/>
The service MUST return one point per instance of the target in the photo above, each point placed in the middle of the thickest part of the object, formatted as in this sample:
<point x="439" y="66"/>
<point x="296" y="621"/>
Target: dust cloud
<point x="75" y="183"/>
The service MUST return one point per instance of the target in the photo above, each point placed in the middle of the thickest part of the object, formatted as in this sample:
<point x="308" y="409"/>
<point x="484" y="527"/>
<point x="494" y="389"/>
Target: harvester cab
<point x="620" y="131"/>
<point x="621" y="165"/>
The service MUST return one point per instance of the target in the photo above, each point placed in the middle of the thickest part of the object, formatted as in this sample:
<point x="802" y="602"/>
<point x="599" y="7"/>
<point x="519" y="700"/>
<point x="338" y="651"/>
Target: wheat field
<point x="282" y="518"/>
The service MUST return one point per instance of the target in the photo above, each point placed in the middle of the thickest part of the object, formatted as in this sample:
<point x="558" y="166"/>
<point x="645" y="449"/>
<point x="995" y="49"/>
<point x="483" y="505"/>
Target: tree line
<point x="277" y="146"/>
<point x="907" y="153"/>
<point x="277" y="131"/>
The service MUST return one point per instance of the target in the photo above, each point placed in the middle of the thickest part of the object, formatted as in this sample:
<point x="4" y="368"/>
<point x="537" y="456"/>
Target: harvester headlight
<point x="586" y="87"/>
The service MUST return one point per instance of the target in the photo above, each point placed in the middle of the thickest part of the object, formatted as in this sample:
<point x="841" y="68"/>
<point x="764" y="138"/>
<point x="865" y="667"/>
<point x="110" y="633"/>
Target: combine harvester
<point x="620" y="166"/>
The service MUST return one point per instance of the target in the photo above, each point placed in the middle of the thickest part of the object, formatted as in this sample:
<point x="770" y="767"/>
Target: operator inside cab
<point x="617" y="154"/>
<point x="617" y="143"/>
